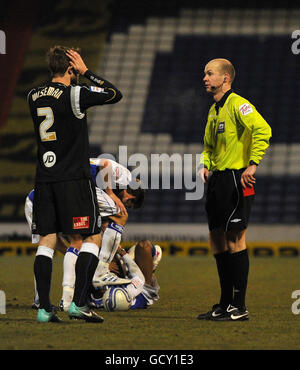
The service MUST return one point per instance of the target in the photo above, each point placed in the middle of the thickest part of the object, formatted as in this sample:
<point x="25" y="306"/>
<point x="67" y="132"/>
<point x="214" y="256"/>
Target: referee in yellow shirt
<point x="236" y="138"/>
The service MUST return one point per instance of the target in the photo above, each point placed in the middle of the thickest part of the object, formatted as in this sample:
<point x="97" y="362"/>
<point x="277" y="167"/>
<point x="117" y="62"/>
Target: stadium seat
<point x="162" y="71"/>
<point x="157" y="62"/>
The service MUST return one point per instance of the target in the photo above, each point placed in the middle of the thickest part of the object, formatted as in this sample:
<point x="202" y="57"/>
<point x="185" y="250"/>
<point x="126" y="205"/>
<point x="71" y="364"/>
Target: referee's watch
<point x="252" y="163"/>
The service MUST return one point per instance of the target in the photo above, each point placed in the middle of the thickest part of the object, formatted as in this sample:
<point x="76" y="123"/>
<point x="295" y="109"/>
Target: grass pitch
<point x="189" y="286"/>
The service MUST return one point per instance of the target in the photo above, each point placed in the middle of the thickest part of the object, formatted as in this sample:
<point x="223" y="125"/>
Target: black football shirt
<point x="60" y="124"/>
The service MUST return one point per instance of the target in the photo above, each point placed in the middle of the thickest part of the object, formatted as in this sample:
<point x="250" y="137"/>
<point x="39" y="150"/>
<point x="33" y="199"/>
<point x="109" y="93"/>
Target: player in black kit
<point x="65" y="198"/>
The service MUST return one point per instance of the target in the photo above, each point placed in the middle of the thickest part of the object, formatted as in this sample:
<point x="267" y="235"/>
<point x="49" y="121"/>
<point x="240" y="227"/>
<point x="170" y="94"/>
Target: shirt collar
<point x="58" y="83"/>
<point x="221" y="102"/>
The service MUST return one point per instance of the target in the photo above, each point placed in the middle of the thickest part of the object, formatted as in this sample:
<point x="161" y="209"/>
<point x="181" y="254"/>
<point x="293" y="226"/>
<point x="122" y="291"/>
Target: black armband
<point x="252" y="163"/>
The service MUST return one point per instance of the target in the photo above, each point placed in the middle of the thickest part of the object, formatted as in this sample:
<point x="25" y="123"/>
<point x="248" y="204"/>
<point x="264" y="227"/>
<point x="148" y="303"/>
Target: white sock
<point x="45" y="251"/>
<point x="67" y="297"/>
<point x="90" y="248"/>
<point x="102" y="268"/>
<point x="110" y="241"/>
<point x="70" y="259"/>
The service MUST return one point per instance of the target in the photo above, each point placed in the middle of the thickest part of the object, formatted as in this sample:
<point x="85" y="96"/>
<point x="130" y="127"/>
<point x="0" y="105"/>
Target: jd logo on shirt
<point x="49" y="159"/>
<point x="221" y="128"/>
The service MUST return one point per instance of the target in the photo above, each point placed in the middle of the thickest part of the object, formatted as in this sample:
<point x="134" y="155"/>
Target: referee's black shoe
<point x="215" y="312"/>
<point x="232" y="314"/>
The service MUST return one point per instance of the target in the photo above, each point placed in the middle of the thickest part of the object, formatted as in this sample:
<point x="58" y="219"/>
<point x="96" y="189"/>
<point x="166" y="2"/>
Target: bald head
<point x="223" y="66"/>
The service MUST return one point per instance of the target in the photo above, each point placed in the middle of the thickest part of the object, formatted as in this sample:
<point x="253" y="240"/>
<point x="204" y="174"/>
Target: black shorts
<point x="69" y="207"/>
<point x="227" y="205"/>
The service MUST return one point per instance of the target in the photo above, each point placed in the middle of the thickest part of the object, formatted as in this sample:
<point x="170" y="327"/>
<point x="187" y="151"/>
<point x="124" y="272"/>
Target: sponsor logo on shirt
<point x="49" y="159"/>
<point x="245" y="109"/>
<point x="96" y="89"/>
<point x="221" y="128"/>
<point x="81" y="222"/>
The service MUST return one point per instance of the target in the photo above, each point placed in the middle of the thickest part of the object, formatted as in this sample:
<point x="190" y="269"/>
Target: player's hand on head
<point x="122" y="208"/>
<point x="77" y="62"/>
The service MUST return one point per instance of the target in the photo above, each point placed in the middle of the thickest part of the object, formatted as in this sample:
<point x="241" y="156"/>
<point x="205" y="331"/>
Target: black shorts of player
<point x="227" y="205"/>
<point x="69" y="207"/>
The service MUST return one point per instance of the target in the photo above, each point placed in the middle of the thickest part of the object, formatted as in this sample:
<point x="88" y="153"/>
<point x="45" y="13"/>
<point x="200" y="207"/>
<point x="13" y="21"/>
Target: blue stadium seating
<point x="180" y="106"/>
<point x="277" y="201"/>
<point x="157" y="56"/>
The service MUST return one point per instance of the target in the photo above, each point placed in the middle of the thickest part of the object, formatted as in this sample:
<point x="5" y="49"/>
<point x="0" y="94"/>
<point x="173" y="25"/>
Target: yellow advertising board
<point x="174" y="248"/>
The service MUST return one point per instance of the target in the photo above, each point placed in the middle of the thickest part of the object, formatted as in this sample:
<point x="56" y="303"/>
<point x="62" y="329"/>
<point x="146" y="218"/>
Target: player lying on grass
<point x="141" y="289"/>
<point x="112" y="203"/>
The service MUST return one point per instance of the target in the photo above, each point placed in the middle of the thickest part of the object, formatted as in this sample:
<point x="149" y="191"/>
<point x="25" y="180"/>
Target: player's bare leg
<point x="236" y="240"/>
<point x="217" y="240"/>
<point x="144" y="259"/>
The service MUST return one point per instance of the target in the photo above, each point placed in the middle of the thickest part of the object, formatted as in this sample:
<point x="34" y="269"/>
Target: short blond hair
<point x="225" y="66"/>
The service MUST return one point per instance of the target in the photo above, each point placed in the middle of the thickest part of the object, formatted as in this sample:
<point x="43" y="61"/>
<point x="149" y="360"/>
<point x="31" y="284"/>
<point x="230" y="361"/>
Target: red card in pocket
<point x="248" y="191"/>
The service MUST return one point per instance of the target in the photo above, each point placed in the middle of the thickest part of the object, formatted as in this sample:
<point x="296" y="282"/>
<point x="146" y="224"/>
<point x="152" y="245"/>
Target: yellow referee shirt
<point x="235" y="134"/>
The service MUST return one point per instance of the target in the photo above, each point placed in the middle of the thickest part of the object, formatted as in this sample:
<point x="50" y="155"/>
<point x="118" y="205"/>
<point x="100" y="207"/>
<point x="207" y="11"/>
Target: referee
<point x="236" y="138"/>
<point x="65" y="196"/>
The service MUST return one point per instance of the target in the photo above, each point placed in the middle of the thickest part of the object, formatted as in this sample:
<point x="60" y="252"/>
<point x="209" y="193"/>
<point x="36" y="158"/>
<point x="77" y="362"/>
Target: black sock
<point x="42" y="272"/>
<point x="85" y="268"/>
<point x="224" y="271"/>
<point x="240" y="270"/>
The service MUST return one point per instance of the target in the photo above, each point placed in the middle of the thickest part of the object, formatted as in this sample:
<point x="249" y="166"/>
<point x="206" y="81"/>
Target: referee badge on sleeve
<point x="245" y="109"/>
<point x="97" y="89"/>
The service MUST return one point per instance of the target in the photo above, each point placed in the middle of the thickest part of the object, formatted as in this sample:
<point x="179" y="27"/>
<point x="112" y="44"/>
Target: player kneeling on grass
<point x="141" y="289"/>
